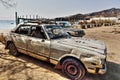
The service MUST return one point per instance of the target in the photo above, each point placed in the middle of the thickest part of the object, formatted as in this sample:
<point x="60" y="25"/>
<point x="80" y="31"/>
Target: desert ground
<point x="28" y="68"/>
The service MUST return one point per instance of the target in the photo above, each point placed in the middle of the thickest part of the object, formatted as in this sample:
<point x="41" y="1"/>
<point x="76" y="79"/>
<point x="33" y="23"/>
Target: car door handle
<point x="14" y="36"/>
<point x="29" y="40"/>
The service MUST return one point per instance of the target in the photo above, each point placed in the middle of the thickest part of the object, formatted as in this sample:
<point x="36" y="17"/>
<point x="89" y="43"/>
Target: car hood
<point x="89" y="44"/>
<point x="72" y="29"/>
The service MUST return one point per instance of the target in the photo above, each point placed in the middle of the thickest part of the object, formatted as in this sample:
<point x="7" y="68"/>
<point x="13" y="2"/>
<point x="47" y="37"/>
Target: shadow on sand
<point x="15" y="66"/>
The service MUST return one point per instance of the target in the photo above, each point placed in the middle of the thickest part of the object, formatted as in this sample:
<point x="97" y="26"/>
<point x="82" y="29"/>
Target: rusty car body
<point x="74" y="55"/>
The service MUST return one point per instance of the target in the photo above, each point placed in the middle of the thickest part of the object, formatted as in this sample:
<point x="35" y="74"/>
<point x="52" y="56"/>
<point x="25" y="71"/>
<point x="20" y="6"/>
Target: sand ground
<point x="28" y="68"/>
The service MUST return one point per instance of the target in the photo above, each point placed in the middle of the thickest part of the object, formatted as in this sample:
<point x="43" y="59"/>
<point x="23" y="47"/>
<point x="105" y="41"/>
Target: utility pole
<point x="16" y="19"/>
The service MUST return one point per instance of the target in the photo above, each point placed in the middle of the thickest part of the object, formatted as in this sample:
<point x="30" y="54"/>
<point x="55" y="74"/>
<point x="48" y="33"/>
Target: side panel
<point x="20" y="41"/>
<point x="35" y="45"/>
<point x="58" y="50"/>
<point x="39" y="47"/>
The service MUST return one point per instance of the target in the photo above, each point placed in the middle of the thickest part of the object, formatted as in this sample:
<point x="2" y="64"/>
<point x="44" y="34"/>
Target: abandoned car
<point x="74" y="55"/>
<point x="71" y="31"/>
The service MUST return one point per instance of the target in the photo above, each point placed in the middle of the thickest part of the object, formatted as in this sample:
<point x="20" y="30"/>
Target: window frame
<point x="45" y="37"/>
<point x="18" y="29"/>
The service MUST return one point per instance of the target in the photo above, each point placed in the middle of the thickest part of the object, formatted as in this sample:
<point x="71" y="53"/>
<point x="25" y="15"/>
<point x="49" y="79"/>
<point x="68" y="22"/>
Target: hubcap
<point x="13" y="50"/>
<point x="72" y="69"/>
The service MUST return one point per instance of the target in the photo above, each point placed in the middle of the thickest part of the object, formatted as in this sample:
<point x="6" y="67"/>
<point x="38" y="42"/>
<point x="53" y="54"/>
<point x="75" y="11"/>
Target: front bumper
<point x="78" y="34"/>
<point x="98" y="70"/>
<point x="102" y="70"/>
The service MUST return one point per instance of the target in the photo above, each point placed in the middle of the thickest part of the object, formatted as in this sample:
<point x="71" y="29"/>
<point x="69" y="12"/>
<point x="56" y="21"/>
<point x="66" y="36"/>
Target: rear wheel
<point x="73" y="69"/>
<point x="13" y="50"/>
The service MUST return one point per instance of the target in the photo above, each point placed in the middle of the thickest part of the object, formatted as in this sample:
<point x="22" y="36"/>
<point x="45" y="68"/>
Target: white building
<point x="105" y="18"/>
<point x="116" y="19"/>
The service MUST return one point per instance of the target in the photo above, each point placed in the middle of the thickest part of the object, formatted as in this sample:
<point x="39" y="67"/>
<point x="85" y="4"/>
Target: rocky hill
<point x="113" y="12"/>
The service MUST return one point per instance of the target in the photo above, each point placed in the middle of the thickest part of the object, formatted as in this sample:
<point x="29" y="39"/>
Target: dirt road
<point x="112" y="40"/>
<point x="28" y="68"/>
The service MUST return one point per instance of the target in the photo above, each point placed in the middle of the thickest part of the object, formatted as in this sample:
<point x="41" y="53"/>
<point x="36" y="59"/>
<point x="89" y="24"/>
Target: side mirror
<point x="42" y="31"/>
<point x="43" y="40"/>
<point x="12" y="31"/>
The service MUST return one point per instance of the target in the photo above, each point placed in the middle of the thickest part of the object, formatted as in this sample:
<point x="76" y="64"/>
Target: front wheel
<point x="13" y="50"/>
<point x="73" y="69"/>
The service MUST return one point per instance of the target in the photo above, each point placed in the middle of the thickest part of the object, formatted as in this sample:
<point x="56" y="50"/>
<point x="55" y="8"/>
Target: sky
<point x="56" y="8"/>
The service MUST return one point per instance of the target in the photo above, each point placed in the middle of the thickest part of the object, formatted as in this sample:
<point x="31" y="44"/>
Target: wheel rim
<point x="13" y="49"/>
<point x="72" y="70"/>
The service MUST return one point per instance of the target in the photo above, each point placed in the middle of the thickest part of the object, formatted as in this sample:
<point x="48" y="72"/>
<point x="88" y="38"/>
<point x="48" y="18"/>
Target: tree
<point x="8" y="3"/>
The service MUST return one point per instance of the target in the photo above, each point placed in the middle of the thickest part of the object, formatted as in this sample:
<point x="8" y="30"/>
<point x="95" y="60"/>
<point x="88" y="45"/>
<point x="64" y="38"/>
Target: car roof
<point x="31" y="24"/>
<point x="62" y="21"/>
<point x="35" y="24"/>
<point x="28" y="24"/>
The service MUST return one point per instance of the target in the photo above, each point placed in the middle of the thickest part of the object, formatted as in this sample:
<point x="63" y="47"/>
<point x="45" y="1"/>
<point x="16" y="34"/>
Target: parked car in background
<point x="74" y="55"/>
<point x="72" y="31"/>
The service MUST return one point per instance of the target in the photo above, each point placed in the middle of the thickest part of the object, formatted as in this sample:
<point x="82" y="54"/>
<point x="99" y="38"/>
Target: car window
<point x="37" y="31"/>
<point x="23" y="30"/>
<point x="64" y="24"/>
<point x="56" y="32"/>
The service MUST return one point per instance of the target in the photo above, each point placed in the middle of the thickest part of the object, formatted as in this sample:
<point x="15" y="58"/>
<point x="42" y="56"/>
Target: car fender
<point x="62" y="58"/>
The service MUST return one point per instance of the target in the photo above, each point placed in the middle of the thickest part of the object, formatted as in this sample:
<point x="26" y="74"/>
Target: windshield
<point x="64" y="24"/>
<point x="56" y="32"/>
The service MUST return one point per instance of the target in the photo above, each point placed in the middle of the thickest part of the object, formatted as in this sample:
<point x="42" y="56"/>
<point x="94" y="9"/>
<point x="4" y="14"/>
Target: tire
<point x="13" y="50"/>
<point x="73" y="69"/>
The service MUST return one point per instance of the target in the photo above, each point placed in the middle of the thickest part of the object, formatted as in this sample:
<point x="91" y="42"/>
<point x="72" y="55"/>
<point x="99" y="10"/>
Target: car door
<point x="38" y="45"/>
<point x="20" y="37"/>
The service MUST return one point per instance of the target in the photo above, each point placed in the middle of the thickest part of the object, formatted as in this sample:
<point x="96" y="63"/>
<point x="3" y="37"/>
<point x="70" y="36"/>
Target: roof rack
<point x="34" y="19"/>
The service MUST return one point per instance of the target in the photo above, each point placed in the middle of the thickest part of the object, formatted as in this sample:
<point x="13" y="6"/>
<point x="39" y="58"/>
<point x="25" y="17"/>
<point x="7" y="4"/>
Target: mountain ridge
<point x="112" y="12"/>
